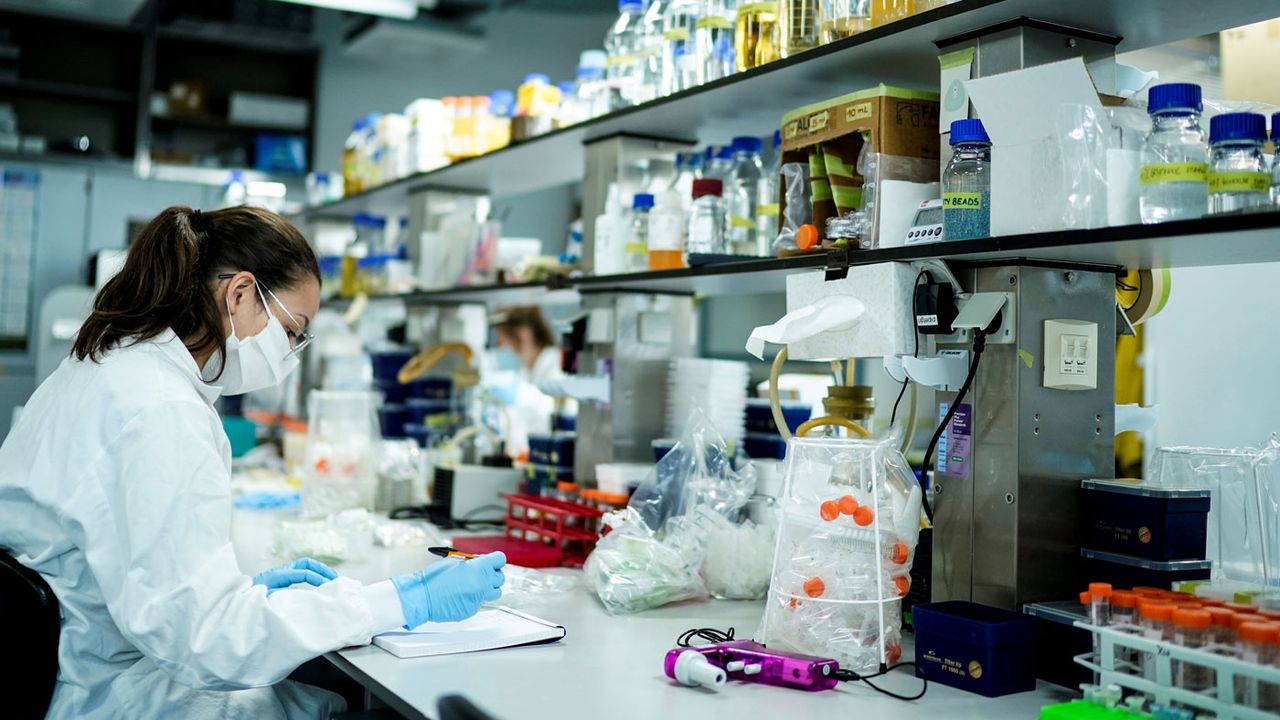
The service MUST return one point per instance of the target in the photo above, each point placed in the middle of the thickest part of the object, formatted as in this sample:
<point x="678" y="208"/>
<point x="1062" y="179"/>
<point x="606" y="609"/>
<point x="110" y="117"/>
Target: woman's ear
<point x="240" y="289"/>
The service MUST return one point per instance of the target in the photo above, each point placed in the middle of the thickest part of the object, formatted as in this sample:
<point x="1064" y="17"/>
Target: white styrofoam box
<point x="286" y="113"/>
<point x="886" y="328"/>
<point x="898" y="202"/>
<point x="1020" y="111"/>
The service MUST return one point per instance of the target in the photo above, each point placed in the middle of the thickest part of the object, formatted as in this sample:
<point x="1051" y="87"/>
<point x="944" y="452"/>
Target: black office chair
<point x="29" y="624"/>
<point x="456" y="707"/>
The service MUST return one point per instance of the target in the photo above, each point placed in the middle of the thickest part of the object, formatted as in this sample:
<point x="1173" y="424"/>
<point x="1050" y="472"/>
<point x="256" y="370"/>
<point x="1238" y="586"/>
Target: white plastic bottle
<point x="1172" y="184"/>
<point x="666" y="232"/>
<point x="609" y="237"/>
<point x="636" y="252"/>
<point x="742" y="194"/>
<point x="679" y="51"/>
<point x="623" y="43"/>
<point x="714" y="38"/>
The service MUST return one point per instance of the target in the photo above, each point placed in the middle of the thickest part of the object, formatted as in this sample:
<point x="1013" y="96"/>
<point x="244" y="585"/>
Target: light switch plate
<point x="1070" y="355"/>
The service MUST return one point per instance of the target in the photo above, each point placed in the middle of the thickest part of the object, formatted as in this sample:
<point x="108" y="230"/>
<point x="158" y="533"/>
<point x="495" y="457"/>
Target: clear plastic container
<point x="623" y="43"/>
<point x="1100" y="603"/>
<point x="767" y="201"/>
<point x="743" y="194"/>
<point x="718" y="162"/>
<point x="679" y="50"/>
<point x="340" y="470"/>
<point x="1155" y="619"/>
<point x="706" y="229"/>
<point x="688" y="169"/>
<point x="1238" y="174"/>
<point x="797" y="26"/>
<point x="1257" y="644"/>
<point x="1124" y="608"/>
<point x="589" y="85"/>
<point x="666" y="232"/>
<point x="636" y="252"/>
<point x="1172" y="184"/>
<point x="649" y="66"/>
<point x="755" y="35"/>
<point x="714" y="39"/>
<point x="1223" y="634"/>
<point x="966" y="183"/>
<point x="1193" y="629"/>
<point x="839" y="19"/>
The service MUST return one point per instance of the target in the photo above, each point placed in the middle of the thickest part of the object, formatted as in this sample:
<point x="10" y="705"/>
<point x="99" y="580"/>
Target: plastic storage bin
<point x="765" y="445"/>
<point x="552" y="449"/>
<point x="393" y="417"/>
<point x="544" y="477"/>
<point x="760" y="415"/>
<point x="975" y="647"/>
<point x="1155" y="523"/>
<point x="1129" y="571"/>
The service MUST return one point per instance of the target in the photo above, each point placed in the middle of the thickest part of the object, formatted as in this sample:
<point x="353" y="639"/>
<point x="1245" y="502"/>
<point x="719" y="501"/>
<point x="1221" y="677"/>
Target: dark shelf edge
<point x="70" y="91"/>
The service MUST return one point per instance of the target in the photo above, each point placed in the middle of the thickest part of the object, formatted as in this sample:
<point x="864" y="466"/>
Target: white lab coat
<point x="115" y="486"/>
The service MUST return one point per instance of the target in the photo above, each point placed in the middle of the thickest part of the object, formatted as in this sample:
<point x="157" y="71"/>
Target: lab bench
<point x="609" y="665"/>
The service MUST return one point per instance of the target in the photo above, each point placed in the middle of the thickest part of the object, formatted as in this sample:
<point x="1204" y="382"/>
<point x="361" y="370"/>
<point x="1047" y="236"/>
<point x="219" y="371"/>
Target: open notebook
<point x="490" y="629"/>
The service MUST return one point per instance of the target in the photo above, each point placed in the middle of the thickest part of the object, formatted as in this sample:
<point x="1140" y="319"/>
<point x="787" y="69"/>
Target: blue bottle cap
<point x="724" y="153"/>
<point x="1174" y="96"/>
<point x="710" y="152"/>
<point x="589" y="72"/>
<point x="536" y="78"/>
<point x="630" y="5"/>
<point x="641" y="201"/>
<point x="1236" y="127"/>
<point x="1275" y="128"/>
<point x="748" y="145"/>
<point x="968" y="131"/>
<point x="501" y="102"/>
<point x="566" y="87"/>
<point x="777" y="138"/>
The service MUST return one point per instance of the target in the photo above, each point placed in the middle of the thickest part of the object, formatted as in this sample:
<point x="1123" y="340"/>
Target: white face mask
<point x="256" y="362"/>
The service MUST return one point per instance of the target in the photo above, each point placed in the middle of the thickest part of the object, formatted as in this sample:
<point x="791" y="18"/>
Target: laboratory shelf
<point x="903" y="53"/>
<point x="1222" y="240"/>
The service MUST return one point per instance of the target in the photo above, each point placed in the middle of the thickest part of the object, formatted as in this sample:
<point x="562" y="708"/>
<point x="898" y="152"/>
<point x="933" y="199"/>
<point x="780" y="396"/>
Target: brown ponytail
<point x="169" y="279"/>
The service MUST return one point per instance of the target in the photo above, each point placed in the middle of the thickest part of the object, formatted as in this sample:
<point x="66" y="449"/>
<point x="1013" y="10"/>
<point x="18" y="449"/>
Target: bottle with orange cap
<point x="1099" y="604"/>
<point x="1192" y="629"/>
<point x="1257" y="645"/>
<point x="1155" y="620"/>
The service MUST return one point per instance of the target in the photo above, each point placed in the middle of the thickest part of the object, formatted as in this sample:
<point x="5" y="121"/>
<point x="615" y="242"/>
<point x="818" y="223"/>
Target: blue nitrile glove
<point x="450" y="590"/>
<point x="302" y="570"/>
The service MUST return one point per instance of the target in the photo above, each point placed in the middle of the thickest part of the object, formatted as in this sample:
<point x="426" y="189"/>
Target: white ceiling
<point x="110" y="11"/>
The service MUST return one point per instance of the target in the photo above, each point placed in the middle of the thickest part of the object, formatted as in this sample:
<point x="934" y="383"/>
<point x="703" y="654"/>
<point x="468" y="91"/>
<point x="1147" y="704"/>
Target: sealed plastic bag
<point x="654" y="552"/>
<point x="850" y="513"/>
<point x="798" y="211"/>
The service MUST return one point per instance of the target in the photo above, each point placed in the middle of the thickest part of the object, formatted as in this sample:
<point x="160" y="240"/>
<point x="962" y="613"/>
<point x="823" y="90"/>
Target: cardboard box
<point x="901" y="124"/>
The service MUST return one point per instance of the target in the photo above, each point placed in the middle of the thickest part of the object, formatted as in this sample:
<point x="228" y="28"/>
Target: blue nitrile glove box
<point x="1144" y="521"/>
<point x="973" y="647"/>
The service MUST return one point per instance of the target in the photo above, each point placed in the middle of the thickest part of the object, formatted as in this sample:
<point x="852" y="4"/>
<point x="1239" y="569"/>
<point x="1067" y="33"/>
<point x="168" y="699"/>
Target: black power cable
<point x="979" y="344"/>
<point x="915" y="352"/>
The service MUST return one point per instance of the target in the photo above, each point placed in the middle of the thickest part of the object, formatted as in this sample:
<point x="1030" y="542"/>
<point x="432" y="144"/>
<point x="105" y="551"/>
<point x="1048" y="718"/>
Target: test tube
<point x="1257" y="645"/>
<point x="1099" y="604"/>
<point x="1222" y="633"/>
<point x="1154" y="618"/>
<point x="1124" y="607"/>
<point x="1192" y="629"/>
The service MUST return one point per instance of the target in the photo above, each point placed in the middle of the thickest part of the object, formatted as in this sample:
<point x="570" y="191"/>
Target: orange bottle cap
<point x="1269" y="614"/>
<point x="1258" y="632"/>
<point x="1240" y="607"/>
<point x="901" y="553"/>
<point x="1124" y="599"/>
<point x="1179" y="595"/>
<point x="814" y="587"/>
<point x="1156" y="610"/>
<point x="829" y="510"/>
<point x="1221" y="616"/>
<point x="1242" y="618"/>
<point x="1148" y="590"/>
<point x="1085" y="598"/>
<point x="1100" y="590"/>
<point x="1188" y="604"/>
<point x="567" y="487"/>
<point x="864" y="515"/>
<point x="1210" y="602"/>
<point x="612" y="498"/>
<point x="1192" y="619"/>
<point x="847" y="504"/>
<point x="806" y="236"/>
<point x="903" y="584"/>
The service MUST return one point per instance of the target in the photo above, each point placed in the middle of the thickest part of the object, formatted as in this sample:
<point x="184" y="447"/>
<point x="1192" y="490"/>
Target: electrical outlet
<point x="1070" y="355"/>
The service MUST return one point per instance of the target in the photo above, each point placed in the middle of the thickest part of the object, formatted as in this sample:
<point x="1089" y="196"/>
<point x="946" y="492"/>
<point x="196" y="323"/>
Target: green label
<point x="1173" y="172"/>
<point x="616" y="60"/>
<point x="962" y="201"/>
<point x="1239" y="182"/>
<point x="635" y="248"/>
<point x="757" y="7"/>
<point x="737" y="221"/>
<point x="714" y="21"/>
<point x="676" y="34"/>
<point x="767" y="209"/>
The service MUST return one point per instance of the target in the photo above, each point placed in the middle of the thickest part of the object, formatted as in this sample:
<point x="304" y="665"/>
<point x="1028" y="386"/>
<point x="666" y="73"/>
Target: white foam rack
<point x="1219" y="701"/>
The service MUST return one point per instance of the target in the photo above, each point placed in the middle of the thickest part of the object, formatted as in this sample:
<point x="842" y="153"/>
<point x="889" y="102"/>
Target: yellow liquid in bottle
<point x="666" y="259"/>
<point x="351" y="183"/>
<point x="884" y="12"/>
<point x="841" y="28"/>
<point x="797" y="26"/>
<point x="755" y="38"/>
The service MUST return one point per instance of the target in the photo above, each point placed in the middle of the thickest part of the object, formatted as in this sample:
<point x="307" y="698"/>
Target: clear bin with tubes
<point x="849" y="523"/>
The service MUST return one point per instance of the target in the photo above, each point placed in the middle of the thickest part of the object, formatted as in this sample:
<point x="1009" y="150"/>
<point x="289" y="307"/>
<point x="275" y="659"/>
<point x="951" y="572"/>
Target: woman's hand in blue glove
<point x="450" y="590"/>
<point x="302" y="570"/>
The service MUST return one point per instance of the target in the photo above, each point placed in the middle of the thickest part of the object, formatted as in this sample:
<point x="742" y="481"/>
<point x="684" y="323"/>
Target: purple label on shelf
<point x="955" y="445"/>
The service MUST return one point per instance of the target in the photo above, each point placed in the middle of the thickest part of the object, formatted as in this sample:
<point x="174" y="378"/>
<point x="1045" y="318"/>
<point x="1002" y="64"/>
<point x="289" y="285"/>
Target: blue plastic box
<point x="552" y="449"/>
<point x="765" y="446"/>
<point x="1142" y="521"/>
<point x="393" y="418"/>
<point x="387" y="363"/>
<point x="760" y="415"/>
<point x="976" y="648"/>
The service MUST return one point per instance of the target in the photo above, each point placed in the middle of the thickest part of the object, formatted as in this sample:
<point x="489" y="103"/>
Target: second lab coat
<point x="115" y="487"/>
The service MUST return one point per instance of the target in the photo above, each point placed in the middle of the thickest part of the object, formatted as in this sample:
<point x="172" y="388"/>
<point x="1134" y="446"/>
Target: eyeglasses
<point x="299" y="338"/>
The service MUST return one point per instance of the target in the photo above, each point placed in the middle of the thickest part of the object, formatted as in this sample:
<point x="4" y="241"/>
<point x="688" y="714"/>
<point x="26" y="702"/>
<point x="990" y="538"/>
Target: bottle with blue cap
<point x="767" y="199"/>
<point x="742" y="195"/>
<point x="624" y="44"/>
<point x="679" y="52"/>
<point x="966" y="183"/>
<point x="636" y="251"/>
<point x="714" y="39"/>
<point x="1238" y="175"/>
<point x="1173" y="180"/>
<point x="589" y="83"/>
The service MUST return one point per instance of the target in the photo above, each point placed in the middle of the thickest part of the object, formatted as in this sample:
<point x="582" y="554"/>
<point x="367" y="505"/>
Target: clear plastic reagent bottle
<point x="1238" y="175"/>
<point x="1172" y="184"/>
<point x="636" y="252"/>
<point x="966" y="183"/>
<point x="666" y="232"/>
<point x="706" y="231"/>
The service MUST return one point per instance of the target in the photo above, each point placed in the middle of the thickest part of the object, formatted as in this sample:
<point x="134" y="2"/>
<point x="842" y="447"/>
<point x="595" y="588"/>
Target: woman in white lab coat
<point x="524" y="344"/>
<point x="115" y="487"/>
